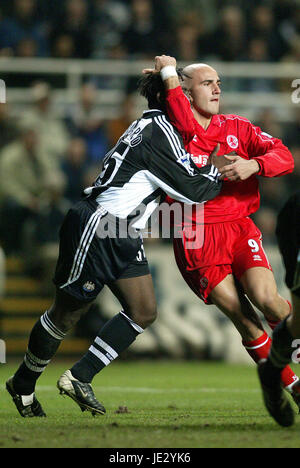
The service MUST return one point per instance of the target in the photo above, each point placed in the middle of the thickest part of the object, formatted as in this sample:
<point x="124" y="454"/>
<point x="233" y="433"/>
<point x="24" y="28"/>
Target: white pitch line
<point x="46" y="388"/>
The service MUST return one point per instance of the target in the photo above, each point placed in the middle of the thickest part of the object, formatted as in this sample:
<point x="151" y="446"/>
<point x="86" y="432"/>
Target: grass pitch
<point x="168" y="405"/>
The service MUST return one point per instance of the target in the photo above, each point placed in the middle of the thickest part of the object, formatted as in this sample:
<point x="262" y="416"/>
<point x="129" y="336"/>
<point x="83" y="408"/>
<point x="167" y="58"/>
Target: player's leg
<point x="216" y="284"/>
<point x="270" y="372"/>
<point x="284" y="349"/>
<point x="293" y="322"/>
<point x="67" y="308"/>
<point x="136" y="296"/>
<point x="252" y="268"/>
<point x="229" y="298"/>
<point x="260" y="286"/>
<point x="44" y="341"/>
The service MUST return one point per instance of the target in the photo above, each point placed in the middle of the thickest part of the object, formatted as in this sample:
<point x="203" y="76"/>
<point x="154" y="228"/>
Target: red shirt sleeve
<point x="180" y="113"/>
<point x="272" y="155"/>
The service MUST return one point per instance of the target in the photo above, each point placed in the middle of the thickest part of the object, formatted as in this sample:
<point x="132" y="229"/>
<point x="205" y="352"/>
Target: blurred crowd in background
<point x="241" y="30"/>
<point x="46" y="160"/>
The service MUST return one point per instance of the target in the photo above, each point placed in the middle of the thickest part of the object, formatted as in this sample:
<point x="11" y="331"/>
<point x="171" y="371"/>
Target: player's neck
<point x="203" y="120"/>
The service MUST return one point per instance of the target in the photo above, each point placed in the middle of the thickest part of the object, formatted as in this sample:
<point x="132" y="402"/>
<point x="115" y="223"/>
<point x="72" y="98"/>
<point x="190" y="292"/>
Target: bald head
<point x="195" y="68"/>
<point x="201" y="83"/>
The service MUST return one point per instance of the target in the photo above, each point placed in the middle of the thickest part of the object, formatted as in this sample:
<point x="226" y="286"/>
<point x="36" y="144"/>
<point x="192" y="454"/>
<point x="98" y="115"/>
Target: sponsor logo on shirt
<point x="232" y="141"/>
<point x="201" y="159"/>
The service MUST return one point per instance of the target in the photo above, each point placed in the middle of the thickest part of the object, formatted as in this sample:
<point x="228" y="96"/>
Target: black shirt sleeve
<point x="173" y="170"/>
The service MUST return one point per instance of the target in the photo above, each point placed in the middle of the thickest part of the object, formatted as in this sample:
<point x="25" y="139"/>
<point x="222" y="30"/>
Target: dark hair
<point x="151" y="86"/>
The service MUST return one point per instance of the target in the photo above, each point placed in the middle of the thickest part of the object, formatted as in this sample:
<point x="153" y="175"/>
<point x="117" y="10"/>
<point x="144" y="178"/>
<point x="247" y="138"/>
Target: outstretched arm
<point x="171" y="168"/>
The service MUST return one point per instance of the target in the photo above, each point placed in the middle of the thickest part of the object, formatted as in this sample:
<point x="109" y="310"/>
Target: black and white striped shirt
<point x="150" y="160"/>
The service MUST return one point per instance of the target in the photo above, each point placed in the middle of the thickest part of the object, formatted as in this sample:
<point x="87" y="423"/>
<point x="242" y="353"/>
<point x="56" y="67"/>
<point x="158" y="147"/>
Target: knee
<point x="65" y="319"/>
<point x="144" y="316"/>
<point x="266" y="299"/>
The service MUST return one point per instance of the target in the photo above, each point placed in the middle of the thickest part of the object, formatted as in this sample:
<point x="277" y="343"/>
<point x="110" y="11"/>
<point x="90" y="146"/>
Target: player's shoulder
<point x="162" y="125"/>
<point x="233" y="119"/>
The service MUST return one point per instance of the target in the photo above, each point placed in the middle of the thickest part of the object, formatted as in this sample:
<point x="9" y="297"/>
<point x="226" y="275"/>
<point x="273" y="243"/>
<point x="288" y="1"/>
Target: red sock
<point x="259" y="349"/>
<point x="273" y="323"/>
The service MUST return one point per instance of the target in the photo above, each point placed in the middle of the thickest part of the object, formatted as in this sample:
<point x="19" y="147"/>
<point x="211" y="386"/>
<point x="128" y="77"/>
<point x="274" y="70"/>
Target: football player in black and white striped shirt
<point x="286" y="336"/>
<point x="149" y="160"/>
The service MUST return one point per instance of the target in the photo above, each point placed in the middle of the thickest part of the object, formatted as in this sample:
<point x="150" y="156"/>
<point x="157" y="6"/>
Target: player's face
<point x="204" y="91"/>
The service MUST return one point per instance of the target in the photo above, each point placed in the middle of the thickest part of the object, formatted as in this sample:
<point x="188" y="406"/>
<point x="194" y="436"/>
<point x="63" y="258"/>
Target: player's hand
<point x="161" y="61"/>
<point x="218" y="161"/>
<point x="239" y="168"/>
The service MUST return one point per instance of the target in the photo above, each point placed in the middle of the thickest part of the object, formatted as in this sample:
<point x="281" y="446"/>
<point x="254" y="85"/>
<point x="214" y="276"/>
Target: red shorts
<point x="228" y="248"/>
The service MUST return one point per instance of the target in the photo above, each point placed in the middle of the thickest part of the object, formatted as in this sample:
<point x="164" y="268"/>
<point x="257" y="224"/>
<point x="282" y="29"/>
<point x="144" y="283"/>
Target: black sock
<point x="116" y="336"/>
<point x="44" y="341"/>
<point x="281" y="349"/>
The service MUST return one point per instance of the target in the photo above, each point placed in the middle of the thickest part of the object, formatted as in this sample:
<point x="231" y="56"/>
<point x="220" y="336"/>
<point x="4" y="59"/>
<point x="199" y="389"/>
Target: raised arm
<point x="177" y="104"/>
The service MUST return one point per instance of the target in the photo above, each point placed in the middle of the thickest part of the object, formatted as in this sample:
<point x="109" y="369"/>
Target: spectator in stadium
<point x="85" y="121"/>
<point x="293" y="179"/>
<point x="263" y="26"/>
<point x="230" y="268"/>
<point x="24" y="24"/>
<point x="191" y="38"/>
<point x="268" y="119"/>
<point x="52" y="131"/>
<point x="42" y="247"/>
<point x="26" y="48"/>
<point x="63" y="46"/>
<point x="257" y="51"/>
<point x="228" y="41"/>
<point x="75" y="23"/>
<point x="24" y="168"/>
<point x="292" y="129"/>
<point x="111" y="19"/>
<point x="289" y="26"/>
<point x="74" y="166"/>
<point x="8" y="128"/>
<point x="117" y="126"/>
<point x="285" y="346"/>
<point x="144" y="36"/>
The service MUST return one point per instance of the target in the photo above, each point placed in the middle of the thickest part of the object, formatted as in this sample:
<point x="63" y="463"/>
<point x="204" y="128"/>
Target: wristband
<point x="168" y="72"/>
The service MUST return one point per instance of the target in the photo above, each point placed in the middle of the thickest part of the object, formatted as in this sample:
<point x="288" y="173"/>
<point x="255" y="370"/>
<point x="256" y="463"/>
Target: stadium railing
<point x="112" y="76"/>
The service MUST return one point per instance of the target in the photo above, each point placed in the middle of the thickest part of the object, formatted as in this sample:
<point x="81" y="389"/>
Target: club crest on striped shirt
<point x="89" y="286"/>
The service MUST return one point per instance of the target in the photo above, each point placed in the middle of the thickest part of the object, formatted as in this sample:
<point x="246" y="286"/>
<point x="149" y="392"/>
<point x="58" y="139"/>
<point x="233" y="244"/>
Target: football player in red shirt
<point x="231" y="266"/>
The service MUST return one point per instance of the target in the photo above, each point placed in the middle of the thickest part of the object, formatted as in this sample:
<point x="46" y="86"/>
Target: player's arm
<point x="171" y="168"/>
<point x="273" y="157"/>
<point x="177" y="104"/>
<point x="269" y="157"/>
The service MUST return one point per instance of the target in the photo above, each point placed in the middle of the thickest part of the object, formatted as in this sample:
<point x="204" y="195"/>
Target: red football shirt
<point x="234" y="133"/>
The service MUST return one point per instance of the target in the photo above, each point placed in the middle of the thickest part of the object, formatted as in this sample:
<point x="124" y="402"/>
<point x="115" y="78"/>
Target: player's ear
<point x="187" y="94"/>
